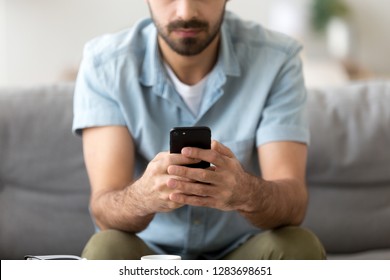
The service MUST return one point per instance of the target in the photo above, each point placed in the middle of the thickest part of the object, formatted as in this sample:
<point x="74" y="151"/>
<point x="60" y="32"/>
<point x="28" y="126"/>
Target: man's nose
<point x="187" y="9"/>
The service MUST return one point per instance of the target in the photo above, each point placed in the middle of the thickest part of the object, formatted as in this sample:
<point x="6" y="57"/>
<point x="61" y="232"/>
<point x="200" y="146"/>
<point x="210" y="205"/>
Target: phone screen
<point x="196" y="136"/>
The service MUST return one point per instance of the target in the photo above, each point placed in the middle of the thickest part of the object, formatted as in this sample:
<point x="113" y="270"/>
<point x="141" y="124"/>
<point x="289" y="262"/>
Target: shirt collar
<point x="227" y="54"/>
<point x="151" y="64"/>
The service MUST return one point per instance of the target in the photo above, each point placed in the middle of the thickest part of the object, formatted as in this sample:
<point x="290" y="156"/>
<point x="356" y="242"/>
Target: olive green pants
<point x="288" y="243"/>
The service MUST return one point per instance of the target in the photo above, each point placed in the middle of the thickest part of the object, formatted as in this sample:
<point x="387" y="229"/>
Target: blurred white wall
<point x="41" y="41"/>
<point x="44" y="38"/>
<point x="371" y="23"/>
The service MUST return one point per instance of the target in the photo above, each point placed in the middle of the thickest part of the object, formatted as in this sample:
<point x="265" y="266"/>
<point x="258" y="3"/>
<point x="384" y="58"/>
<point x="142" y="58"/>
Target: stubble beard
<point x="189" y="46"/>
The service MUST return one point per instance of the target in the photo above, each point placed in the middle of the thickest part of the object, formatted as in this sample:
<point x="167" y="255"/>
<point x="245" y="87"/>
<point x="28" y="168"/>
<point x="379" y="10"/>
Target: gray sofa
<point x="44" y="189"/>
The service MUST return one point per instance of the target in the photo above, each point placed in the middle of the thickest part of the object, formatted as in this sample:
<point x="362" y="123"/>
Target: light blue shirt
<point x="254" y="95"/>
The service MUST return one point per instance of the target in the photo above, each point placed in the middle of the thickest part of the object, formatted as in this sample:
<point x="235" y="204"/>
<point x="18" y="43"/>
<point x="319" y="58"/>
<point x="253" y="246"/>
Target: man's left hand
<point x="224" y="186"/>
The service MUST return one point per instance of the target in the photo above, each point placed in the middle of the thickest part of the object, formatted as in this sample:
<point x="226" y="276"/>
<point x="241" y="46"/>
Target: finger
<point x="179" y="159"/>
<point x="211" y="168"/>
<point x="193" y="174"/>
<point x="193" y="188"/>
<point x="211" y="156"/>
<point x="222" y="149"/>
<point x="170" y="206"/>
<point x="193" y="200"/>
<point x="197" y="189"/>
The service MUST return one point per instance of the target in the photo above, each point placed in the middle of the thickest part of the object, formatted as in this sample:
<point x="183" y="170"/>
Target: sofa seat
<point x="348" y="170"/>
<point x="44" y="190"/>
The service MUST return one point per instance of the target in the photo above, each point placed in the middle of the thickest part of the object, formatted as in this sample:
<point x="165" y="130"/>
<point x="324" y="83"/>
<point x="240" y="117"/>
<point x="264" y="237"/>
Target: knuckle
<point x="159" y="156"/>
<point x="169" y="160"/>
<point x="181" y="171"/>
<point x="172" y="205"/>
<point x="204" y="192"/>
<point x="203" y="175"/>
<point x="160" y="185"/>
<point x="152" y="168"/>
<point x="213" y="156"/>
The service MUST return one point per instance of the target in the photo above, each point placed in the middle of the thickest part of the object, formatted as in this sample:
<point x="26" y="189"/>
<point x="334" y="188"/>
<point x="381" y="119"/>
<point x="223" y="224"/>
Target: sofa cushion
<point x="44" y="189"/>
<point x="348" y="170"/>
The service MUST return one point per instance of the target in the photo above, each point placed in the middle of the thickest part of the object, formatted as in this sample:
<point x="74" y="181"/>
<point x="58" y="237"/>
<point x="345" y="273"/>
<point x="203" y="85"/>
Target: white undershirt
<point x="192" y="95"/>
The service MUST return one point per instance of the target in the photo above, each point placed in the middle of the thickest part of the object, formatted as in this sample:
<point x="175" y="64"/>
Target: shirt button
<point x="197" y="222"/>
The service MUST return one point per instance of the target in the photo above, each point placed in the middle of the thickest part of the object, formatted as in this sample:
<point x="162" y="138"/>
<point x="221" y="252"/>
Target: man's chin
<point x="187" y="49"/>
<point x="188" y="52"/>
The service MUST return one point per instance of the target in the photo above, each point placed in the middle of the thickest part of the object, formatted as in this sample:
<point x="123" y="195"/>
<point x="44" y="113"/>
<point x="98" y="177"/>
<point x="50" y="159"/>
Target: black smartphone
<point x="195" y="136"/>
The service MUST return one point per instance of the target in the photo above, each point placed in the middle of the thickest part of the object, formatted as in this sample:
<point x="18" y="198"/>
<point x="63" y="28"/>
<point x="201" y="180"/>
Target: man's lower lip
<point x="187" y="33"/>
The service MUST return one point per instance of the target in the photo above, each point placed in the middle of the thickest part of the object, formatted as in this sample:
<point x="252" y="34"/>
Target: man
<point x="193" y="65"/>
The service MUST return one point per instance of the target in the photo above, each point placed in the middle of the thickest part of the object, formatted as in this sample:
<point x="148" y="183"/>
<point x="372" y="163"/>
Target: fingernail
<point x="172" y="183"/>
<point x="186" y="151"/>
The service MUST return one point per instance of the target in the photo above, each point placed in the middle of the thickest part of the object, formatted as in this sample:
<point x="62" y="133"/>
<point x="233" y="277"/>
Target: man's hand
<point x="222" y="186"/>
<point x="117" y="200"/>
<point x="152" y="187"/>
<point x="276" y="199"/>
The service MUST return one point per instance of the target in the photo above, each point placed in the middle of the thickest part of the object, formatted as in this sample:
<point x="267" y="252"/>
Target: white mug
<point x="161" y="257"/>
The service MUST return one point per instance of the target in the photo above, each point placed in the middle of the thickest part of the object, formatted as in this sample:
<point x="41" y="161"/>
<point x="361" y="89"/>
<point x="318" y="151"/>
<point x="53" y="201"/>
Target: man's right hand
<point x="152" y="187"/>
<point x="117" y="200"/>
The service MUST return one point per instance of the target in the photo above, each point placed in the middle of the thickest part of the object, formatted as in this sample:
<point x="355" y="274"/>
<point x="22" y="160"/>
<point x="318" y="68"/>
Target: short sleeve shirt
<point x="254" y="95"/>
